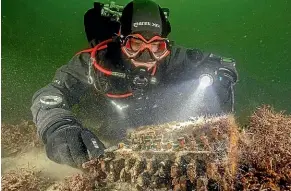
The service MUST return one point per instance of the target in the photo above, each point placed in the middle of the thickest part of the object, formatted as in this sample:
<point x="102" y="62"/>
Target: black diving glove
<point x="72" y="145"/>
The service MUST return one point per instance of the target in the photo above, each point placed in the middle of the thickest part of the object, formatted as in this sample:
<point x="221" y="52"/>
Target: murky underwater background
<point x="40" y="36"/>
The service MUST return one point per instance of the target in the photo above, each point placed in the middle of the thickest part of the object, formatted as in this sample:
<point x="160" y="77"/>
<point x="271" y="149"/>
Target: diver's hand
<point x="72" y="145"/>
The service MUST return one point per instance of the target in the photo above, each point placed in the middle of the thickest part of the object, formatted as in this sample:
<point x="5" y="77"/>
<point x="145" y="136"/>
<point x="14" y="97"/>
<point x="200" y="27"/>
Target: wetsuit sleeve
<point x="188" y="64"/>
<point x="223" y="70"/>
<point x="182" y="64"/>
<point x="69" y="84"/>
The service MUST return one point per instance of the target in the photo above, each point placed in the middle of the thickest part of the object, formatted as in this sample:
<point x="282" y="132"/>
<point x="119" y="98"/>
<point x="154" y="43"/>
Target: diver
<point x="131" y="76"/>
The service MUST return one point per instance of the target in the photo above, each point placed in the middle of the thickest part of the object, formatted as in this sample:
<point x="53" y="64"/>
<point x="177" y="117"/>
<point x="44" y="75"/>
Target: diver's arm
<point x="189" y="60"/>
<point x="186" y="64"/>
<point x="182" y="63"/>
<point x="66" y="140"/>
<point x="69" y="84"/>
<point x="224" y="74"/>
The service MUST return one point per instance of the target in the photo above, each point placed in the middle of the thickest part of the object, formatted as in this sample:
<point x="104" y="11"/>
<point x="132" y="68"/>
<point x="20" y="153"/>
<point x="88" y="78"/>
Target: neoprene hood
<point x="144" y="16"/>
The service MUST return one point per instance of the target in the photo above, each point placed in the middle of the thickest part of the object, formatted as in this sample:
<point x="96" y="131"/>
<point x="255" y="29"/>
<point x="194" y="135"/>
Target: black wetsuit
<point x="174" y="97"/>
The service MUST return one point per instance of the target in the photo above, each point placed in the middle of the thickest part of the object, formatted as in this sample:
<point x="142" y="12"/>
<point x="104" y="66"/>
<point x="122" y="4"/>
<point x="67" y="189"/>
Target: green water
<point x="40" y="36"/>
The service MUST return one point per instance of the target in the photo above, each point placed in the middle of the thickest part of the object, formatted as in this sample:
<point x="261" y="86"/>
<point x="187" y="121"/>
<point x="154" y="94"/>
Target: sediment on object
<point x="198" y="154"/>
<point x="145" y="158"/>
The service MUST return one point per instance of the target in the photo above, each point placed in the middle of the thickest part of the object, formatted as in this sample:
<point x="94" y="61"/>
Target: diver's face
<point x="145" y="52"/>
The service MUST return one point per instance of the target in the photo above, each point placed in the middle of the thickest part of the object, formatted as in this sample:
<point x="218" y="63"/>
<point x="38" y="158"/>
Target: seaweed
<point x="18" y="138"/>
<point x="23" y="180"/>
<point x="266" y="151"/>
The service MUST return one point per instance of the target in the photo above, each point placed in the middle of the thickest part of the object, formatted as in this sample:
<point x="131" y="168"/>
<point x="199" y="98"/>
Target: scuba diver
<point x="132" y="76"/>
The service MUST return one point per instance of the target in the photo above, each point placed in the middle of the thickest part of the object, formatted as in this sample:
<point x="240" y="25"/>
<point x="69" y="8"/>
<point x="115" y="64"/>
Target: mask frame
<point x="146" y="44"/>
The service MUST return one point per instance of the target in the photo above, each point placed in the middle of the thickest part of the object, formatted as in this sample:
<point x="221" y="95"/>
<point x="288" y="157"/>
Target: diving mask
<point x="135" y="44"/>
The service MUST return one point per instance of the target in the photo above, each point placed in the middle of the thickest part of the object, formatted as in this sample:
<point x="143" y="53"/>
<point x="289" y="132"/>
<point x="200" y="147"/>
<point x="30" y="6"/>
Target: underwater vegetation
<point x="206" y="153"/>
<point x="266" y="151"/>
